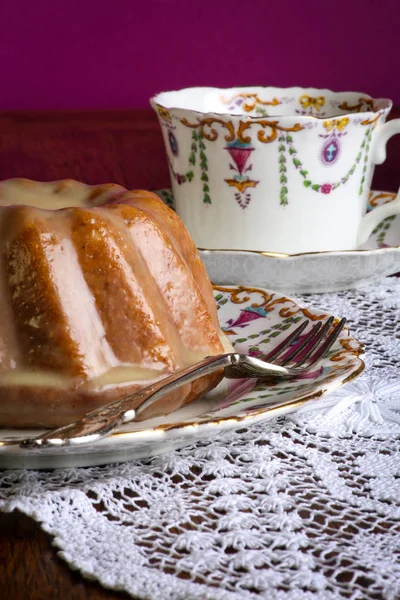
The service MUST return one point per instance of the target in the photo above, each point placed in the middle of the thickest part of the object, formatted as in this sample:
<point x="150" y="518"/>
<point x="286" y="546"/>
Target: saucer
<point x="255" y="321"/>
<point x="312" y="271"/>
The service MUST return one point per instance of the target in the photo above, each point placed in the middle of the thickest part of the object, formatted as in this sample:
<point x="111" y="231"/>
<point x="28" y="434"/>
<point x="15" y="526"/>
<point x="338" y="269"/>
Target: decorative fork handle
<point x="103" y="421"/>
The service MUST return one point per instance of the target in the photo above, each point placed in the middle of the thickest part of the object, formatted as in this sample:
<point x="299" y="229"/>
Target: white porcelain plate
<point x="313" y="271"/>
<point x="255" y="320"/>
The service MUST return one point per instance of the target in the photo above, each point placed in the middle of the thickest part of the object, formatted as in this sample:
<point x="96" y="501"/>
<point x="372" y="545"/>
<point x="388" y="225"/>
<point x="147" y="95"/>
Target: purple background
<point x="116" y="54"/>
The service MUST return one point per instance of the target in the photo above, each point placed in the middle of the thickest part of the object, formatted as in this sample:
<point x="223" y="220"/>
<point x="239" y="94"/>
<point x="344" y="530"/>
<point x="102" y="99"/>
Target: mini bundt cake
<point x="102" y="292"/>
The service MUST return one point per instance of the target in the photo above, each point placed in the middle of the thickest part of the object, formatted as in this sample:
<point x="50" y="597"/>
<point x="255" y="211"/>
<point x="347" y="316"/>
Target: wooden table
<point x="124" y="147"/>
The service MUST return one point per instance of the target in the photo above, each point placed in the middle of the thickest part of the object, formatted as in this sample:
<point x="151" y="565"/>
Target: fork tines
<point x="305" y="350"/>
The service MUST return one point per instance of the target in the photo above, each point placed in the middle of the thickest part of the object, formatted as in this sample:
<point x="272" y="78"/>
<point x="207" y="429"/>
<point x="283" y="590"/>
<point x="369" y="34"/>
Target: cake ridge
<point x="119" y="266"/>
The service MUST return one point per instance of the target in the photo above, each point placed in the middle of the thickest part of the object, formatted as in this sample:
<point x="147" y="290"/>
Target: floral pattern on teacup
<point x="242" y="139"/>
<point x="363" y="105"/>
<point x="249" y="103"/>
<point x="240" y="148"/>
<point x="311" y="106"/>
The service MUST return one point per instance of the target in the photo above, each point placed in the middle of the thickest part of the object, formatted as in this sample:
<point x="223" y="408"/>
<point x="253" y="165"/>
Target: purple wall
<point x="117" y="53"/>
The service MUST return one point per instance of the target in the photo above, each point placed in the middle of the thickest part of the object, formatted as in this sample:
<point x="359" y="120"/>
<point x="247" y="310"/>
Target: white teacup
<point x="281" y="170"/>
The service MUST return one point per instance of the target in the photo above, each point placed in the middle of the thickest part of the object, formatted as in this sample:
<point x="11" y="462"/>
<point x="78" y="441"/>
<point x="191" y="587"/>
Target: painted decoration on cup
<point x="241" y="150"/>
<point x="173" y="144"/>
<point x="363" y="105"/>
<point x="240" y="154"/>
<point x="249" y="103"/>
<point x="330" y="151"/>
<point x="239" y="147"/>
<point x="334" y="130"/>
<point x="311" y="106"/>
<point x="331" y="147"/>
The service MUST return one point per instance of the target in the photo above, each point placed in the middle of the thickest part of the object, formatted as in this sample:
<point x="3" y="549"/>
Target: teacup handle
<point x="373" y="218"/>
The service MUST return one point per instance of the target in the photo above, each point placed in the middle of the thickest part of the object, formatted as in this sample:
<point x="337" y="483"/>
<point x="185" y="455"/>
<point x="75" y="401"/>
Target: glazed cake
<point x="102" y="292"/>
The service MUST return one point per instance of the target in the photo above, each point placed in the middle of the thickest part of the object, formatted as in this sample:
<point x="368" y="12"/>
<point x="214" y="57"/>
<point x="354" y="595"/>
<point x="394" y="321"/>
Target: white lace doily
<point x="305" y="507"/>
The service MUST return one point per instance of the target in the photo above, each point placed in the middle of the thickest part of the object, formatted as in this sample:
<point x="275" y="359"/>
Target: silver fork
<point x="291" y="358"/>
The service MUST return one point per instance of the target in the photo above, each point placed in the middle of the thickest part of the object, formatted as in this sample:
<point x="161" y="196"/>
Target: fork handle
<point x="103" y="421"/>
